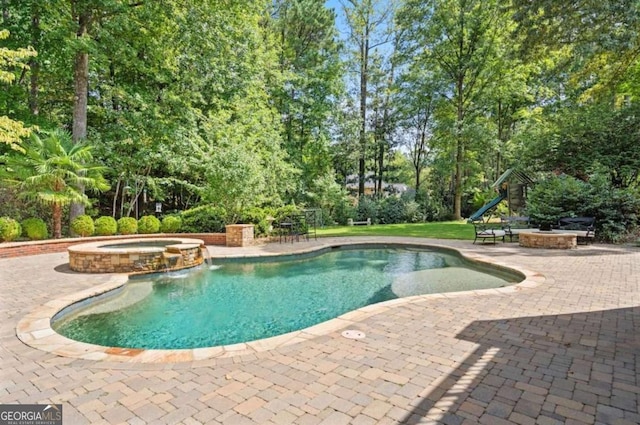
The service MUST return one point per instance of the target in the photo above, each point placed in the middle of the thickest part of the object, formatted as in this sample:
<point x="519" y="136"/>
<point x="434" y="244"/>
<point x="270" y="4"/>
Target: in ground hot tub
<point x="136" y="255"/>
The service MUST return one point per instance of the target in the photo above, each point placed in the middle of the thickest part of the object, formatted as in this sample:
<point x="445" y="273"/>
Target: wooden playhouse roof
<point x="511" y="172"/>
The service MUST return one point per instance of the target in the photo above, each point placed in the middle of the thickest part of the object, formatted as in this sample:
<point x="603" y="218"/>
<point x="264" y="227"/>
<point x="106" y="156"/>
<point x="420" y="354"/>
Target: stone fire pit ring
<point x="549" y="240"/>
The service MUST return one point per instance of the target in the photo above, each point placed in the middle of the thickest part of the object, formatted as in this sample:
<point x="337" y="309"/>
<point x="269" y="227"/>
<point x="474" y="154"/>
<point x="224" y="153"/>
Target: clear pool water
<point x="240" y="301"/>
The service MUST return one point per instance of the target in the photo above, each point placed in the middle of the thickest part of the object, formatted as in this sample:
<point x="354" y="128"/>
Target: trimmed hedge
<point x="35" y="229"/>
<point x="203" y="219"/>
<point x="171" y="224"/>
<point x="83" y="226"/>
<point x="127" y="226"/>
<point x="10" y="229"/>
<point x="106" y="226"/>
<point x="148" y="224"/>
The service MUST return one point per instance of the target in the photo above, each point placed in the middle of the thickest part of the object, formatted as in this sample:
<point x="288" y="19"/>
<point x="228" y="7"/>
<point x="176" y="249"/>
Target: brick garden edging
<point x="20" y="249"/>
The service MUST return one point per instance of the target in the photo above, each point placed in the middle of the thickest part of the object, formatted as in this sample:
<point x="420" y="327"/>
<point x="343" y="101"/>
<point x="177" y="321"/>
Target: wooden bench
<point x="350" y="222"/>
<point x="582" y="227"/>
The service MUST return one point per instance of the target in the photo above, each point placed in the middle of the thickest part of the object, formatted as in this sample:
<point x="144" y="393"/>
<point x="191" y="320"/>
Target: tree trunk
<point x="364" y="57"/>
<point x="5" y="11"/>
<point x="34" y="63"/>
<point x="418" y="157"/>
<point x="500" y="140"/>
<point x="115" y="197"/>
<point x="386" y="139"/>
<point x="57" y="221"/>
<point x="457" y="200"/>
<point x="81" y="91"/>
<point x="380" y="166"/>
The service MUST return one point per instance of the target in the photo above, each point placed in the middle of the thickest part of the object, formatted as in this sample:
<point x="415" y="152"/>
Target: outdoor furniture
<point x="486" y="231"/>
<point x="514" y="225"/>
<point x="582" y="227"/>
<point x="311" y="219"/>
<point x="284" y="228"/>
<point x="300" y="227"/>
<point x="295" y="226"/>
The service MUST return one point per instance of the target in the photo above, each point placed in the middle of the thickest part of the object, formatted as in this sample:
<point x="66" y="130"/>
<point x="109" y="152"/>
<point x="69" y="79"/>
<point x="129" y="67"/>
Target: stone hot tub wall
<point x="20" y="249"/>
<point x="94" y="257"/>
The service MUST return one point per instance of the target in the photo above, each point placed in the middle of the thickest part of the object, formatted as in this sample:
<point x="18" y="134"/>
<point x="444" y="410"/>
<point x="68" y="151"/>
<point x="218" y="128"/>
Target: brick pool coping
<point x="35" y="330"/>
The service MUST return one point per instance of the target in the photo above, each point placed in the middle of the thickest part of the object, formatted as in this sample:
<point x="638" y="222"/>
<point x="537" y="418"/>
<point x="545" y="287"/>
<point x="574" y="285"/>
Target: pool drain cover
<point x="353" y="334"/>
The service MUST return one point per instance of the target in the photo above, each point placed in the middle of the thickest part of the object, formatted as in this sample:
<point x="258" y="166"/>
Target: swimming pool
<point x="244" y="300"/>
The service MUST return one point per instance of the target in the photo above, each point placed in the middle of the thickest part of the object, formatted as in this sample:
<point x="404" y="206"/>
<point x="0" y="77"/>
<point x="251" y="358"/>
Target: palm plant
<point x="54" y="171"/>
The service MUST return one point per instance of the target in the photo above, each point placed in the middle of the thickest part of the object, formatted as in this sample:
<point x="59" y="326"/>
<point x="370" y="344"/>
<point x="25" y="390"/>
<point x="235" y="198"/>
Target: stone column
<point x="239" y="234"/>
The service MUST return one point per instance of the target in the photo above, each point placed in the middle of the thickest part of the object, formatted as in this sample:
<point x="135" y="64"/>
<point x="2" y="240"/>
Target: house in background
<point x="388" y="189"/>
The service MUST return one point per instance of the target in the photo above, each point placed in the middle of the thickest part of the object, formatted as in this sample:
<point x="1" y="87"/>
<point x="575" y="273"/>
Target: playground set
<point x="512" y="186"/>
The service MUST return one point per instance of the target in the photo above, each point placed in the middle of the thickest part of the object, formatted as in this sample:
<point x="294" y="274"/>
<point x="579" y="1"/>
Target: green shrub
<point x="35" y="229"/>
<point x="171" y="224"/>
<point x="433" y="208"/>
<point x="367" y="208"/>
<point x="391" y="211"/>
<point x="10" y="229"/>
<point x="556" y="197"/>
<point x="83" y="226"/>
<point x="327" y="195"/>
<point x="287" y="211"/>
<point x="257" y="217"/>
<point x="413" y="213"/>
<point x="615" y="209"/>
<point x="148" y="224"/>
<point x="106" y="226"/>
<point x="343" y="211"/>
<point x="127" y="226"/>
<point x="203" y="219"/>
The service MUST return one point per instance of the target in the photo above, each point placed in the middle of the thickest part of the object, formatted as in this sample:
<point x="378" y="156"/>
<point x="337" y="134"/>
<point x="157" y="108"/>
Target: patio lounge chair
<point x="485" y="231"/>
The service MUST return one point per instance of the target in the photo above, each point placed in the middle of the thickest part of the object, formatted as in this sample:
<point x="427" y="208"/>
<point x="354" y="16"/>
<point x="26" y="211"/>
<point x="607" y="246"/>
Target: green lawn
<point x="440" y="230"/>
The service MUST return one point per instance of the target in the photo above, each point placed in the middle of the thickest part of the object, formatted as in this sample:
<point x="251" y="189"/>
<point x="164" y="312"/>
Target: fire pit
<point x="550" y="239"/>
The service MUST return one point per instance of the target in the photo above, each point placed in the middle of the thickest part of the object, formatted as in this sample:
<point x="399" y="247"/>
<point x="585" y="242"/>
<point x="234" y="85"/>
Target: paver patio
<point x="564" y="352"/>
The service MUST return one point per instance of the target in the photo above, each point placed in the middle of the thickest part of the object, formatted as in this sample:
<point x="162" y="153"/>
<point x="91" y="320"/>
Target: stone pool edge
<point x="35" y="330"/>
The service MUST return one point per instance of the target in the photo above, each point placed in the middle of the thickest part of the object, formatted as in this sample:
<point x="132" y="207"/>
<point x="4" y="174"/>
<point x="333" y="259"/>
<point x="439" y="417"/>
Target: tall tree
<point x="12" y="131"/>
<point x="43" y="94"/>
<point x="417" y="98"/>
<point x="385" y="102"/>
<point x="382" y="116"/>
<point x="458" y="38"/>
<point x="311" y="82"/>
<point x="51" y="170"/>
<point x="86" y="14"/>
<point x="367" y="25"/>
<point x="599" y="38"/>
